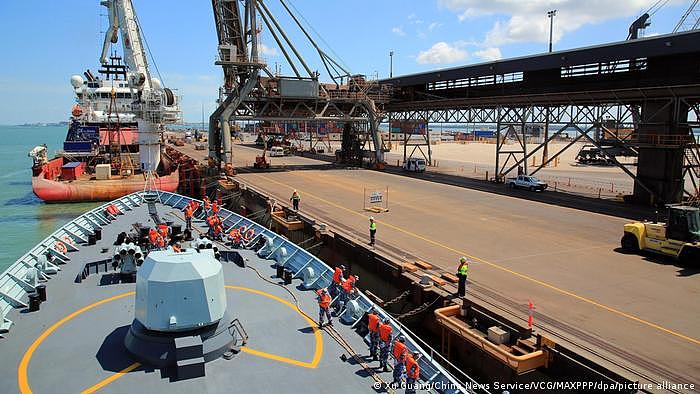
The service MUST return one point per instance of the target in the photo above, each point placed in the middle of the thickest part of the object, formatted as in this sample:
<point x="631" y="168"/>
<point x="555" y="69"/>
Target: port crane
<point x="252" y="92"/>
<point x="155" y="104"/>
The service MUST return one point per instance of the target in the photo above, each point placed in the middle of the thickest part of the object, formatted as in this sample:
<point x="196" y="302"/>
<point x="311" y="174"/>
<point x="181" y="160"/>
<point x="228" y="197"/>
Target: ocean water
<point x="24" y="219"/>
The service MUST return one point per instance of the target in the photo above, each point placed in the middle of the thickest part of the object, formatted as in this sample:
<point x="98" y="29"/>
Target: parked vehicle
<point x="678" y="237"/>
<point x="592" y="155"/>
<point x="277" y="151"/>
<point x="527" y="182"/>
<point x="414" y="164"/>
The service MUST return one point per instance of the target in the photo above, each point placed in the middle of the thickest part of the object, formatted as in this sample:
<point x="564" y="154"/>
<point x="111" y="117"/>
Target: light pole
<point x="551" y="14"/>
<point x="391" y="64"/>
<point x="391" y="75"/>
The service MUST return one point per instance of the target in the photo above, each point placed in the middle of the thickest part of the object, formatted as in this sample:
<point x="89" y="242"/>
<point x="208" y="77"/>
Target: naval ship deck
<point x="75" y="343"/>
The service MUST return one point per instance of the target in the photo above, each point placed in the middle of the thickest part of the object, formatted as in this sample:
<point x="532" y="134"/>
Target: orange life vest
<point x="373" y="322"/>
<point x="338" y="276"/>
<point x="188" y="212"/>
<point x="385" y="332"/>
<point x="215" y="207"/>
<point x="412" y="367"/>
<point x="152" y="236"/>
<point x="163" y="230"/>
<point x="399" y="350"/>
<point x="324" y="301"/>
<point x="349" y="284"/>
<point x="161" y="242"/>
<point x="207" y="204"/>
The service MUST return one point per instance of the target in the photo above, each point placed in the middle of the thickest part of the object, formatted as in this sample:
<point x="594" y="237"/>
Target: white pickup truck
<point x="527" y="182"/>
<point x="414" y="164"/>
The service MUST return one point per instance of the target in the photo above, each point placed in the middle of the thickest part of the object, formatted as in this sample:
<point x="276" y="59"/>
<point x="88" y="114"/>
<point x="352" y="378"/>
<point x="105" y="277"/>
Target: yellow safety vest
<point x="464" y="270"/>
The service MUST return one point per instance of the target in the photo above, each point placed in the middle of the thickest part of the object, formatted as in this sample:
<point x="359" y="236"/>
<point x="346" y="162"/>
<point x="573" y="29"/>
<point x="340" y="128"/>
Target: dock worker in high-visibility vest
<point x="295" y="198"/>
<point x="384" y="344"/>
<point x="462" y="273"/>
<point x="412" y="372"/>
<point x="373" y="326"/>
<point x="324" y="304"/>
<point x="399" y="351"/>
<point x="338" y="279"/>
<point x="189" y="212"/>
<point x="372" y="230"/>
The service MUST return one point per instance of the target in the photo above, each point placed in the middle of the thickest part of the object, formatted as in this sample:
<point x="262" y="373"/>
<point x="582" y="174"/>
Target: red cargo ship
<point x="101" y="159"/>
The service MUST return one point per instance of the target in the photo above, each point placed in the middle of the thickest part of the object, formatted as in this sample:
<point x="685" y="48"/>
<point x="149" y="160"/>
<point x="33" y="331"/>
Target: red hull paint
<point x="93" y="190"/>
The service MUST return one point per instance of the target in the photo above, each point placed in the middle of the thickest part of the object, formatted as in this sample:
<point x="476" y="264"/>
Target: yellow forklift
<point x="679" y="237"/>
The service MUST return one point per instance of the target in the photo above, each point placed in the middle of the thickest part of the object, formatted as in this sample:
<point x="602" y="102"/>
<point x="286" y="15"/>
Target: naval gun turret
<point x="181" y="317"/>
<point x="180" y="291"/>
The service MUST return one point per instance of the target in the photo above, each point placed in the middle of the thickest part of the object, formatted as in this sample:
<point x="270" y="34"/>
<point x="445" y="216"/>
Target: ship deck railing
<point x="14" y="289"/>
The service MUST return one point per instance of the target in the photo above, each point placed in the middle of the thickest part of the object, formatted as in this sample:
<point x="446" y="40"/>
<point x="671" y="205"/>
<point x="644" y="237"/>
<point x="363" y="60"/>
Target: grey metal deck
<point x="75" y="341"/>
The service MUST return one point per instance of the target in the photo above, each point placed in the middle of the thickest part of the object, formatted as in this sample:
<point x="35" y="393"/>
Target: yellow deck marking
<point x="497" y="266"/>
<point x="318" y="352"/>
<point x="111" y="379"/>
<point x="23" y="381"/>
<point x="22" y="369"/>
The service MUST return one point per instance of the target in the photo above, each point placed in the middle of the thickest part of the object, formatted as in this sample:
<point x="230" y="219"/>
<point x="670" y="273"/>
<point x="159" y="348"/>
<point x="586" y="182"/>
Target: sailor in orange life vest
<point x="207" y="205"/>
<point x="338" y="279"/>
<point x="412" y="372"/>
<point x="348" y="289"/>
<point x="384" y="344"/>
<point x="324" y="304"/>
<point x="153" y="238"/>
<point x="188" y="216"/>
<point x="399" y="352"/>
<point x="373" y="326"/>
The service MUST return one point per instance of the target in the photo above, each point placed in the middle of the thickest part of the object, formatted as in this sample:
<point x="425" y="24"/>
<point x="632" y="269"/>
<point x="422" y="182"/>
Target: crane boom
<point x="154" y="105"/>
<point x="684" y="23"/>
<point x="122" y="17"/>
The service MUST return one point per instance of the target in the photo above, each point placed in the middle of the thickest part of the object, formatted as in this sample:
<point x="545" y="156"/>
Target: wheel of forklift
<point x="629" y="243"/>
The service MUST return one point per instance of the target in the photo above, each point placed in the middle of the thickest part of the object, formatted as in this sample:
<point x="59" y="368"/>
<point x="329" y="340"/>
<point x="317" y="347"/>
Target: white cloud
<point x="488" y="54"/>
<point x="398" y="31"/>
<point x="527" y="20"/>
<point x="442" y="53"/>
<point x="434" y="26"/>
<point x="266" y="50"/>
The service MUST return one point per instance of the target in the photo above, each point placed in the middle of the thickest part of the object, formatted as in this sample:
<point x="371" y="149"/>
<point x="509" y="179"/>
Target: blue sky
<point x="45" y="42"/>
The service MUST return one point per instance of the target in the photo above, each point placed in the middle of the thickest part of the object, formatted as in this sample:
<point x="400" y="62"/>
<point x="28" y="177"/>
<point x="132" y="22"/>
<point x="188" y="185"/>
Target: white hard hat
<point x="371" y="218"/>
<point x="462" y="259"/>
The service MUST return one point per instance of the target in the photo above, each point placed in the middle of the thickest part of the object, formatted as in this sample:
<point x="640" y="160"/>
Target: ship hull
<point x="54" y="191"/>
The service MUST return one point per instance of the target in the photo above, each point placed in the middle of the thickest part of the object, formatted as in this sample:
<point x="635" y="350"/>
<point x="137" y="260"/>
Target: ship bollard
<point x="34" y="302"/>
<point x="98" y="234"/>
<point x="41" y="291"/>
